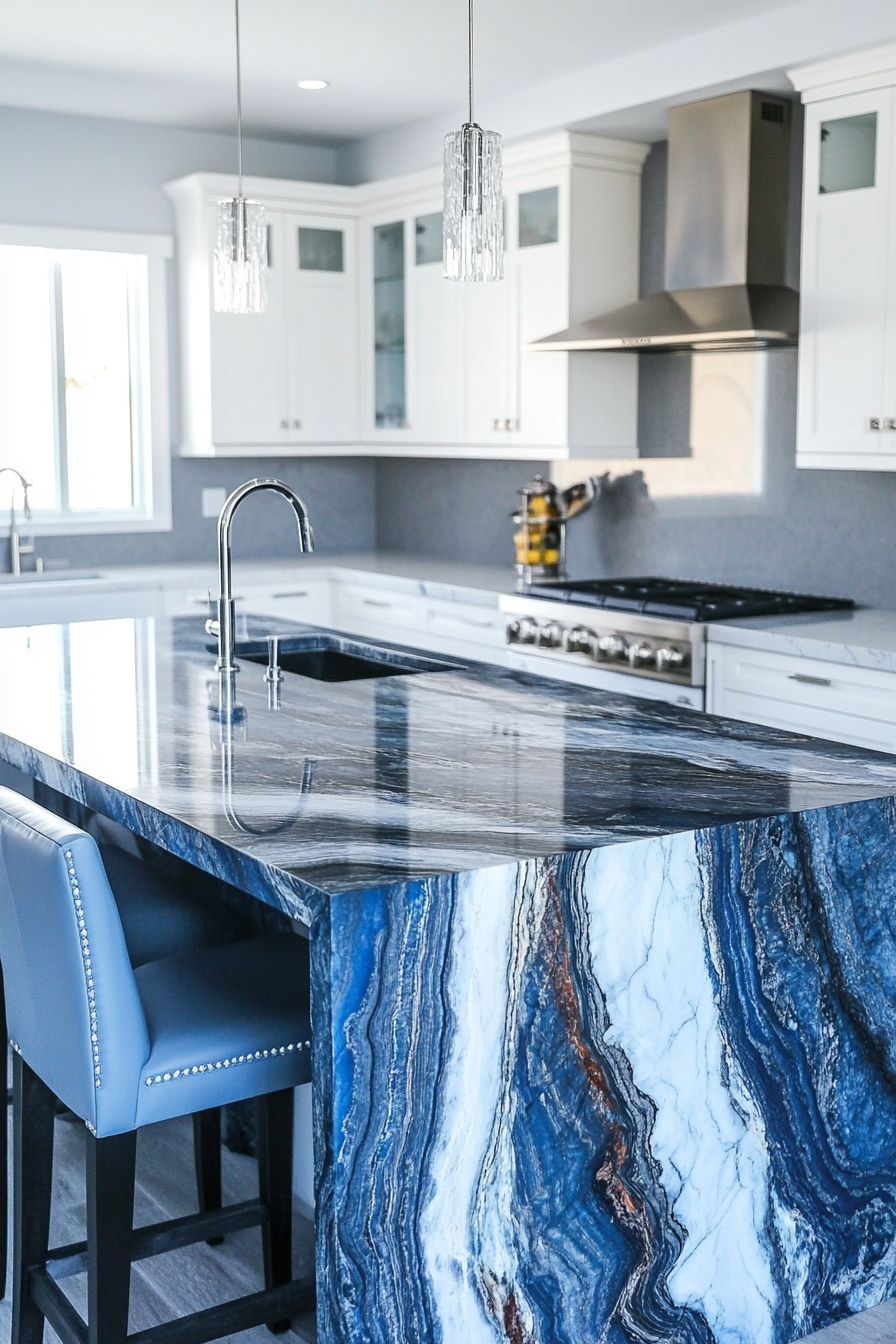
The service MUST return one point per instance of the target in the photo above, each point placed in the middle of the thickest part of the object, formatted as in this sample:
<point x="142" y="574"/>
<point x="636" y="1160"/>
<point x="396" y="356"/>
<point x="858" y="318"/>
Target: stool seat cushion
<point x="224" y="1023"/>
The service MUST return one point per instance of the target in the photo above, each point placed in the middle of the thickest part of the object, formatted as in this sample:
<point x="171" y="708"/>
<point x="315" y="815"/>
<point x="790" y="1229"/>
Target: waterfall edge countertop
<point x="603" y="991"/>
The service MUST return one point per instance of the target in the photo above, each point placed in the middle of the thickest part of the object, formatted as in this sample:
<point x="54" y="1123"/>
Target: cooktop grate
<point x="683" y="599"/>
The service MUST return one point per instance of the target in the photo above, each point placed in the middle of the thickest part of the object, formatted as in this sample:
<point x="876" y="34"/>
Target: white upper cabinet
<point x="847" y="357"/>
<point x="285" y="380"/>
<point x="457" y="380"/>
<point x="365" y="347"/>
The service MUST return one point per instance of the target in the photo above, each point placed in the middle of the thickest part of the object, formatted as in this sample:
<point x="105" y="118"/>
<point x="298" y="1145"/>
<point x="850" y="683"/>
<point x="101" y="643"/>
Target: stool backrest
<point x="73" y="1010"/>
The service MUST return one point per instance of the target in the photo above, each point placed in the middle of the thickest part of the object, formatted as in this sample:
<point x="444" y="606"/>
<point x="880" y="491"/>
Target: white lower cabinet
<point x="370" y="610"/>
<point x="836" y="701"/>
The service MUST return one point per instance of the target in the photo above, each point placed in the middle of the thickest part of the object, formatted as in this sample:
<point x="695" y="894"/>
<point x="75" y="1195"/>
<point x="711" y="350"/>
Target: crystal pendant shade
<point x="473" y="220"/>
<point x="241" y="257"/>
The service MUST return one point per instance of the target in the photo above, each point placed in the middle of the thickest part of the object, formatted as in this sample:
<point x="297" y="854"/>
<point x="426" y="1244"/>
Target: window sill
<point x="90" y="524"/>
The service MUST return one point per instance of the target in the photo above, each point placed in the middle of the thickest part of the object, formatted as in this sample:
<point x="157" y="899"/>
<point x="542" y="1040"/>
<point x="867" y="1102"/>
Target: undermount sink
<point x="334" y="658"/>
<point x="50" y="576"/>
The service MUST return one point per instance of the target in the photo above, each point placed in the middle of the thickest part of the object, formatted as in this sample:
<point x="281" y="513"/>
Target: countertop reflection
<point x="353" y="784"/>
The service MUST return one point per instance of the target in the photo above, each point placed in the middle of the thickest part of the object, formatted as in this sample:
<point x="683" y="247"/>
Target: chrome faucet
<point x="18" y="548"/>
<point x="225" y="624"/>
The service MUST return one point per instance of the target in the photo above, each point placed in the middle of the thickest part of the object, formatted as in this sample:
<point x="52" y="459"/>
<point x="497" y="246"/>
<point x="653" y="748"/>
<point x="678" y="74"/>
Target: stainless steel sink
<point x="325" y="657"/>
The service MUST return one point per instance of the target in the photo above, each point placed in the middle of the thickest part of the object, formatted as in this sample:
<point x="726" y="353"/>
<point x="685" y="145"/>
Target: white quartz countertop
<point x="460" y="582"/>
<point x="862" y="638"/>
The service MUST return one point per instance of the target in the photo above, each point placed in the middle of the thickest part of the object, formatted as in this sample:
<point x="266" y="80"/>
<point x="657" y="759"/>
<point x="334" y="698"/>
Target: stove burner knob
<point x="550" y="636"/>
<point x="642" y="655"/>
<point x="528" y="630"/>
<point x="671" y="658"/>
<point x="578" y="640"/>
<point x="512" y="632"/>
<point x="611" y="648"/>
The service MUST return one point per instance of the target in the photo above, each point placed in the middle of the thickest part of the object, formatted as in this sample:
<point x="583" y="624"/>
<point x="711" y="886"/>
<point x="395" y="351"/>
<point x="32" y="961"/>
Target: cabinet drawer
<point x="374" y="610"/>
<point x="462" y="621"/>
<point x="807" y="695"/>
<point x="293" y="600"/>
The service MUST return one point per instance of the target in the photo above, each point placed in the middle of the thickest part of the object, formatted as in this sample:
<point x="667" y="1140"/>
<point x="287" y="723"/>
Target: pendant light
<point x="473" y="219"/>
<point x="241" y="250"/>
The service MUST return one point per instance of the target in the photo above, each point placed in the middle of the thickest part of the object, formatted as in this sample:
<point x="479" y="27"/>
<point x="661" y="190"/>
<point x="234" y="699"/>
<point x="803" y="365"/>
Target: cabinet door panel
<point x="434" y="355"/>
<point x="488" y="404"/>
<point x="249" y="362"/>
<point x="542" y="307"/>
<point x="846" y="266"/>
<point x="322" y="324"/>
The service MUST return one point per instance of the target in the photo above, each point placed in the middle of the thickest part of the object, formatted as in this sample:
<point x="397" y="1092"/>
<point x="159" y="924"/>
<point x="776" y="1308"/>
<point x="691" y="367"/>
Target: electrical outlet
<point x="213" y="497"/>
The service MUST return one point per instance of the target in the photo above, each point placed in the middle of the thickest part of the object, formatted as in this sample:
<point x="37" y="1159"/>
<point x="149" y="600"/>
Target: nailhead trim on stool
<point x="88" y="967"/>
<point x="192" y="1069"/>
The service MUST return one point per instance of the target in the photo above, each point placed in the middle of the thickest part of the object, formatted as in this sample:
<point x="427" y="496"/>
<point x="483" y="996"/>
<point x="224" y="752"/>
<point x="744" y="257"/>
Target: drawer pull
<point x="370" y="602"/>
<point x="303" y="593"/>
<point x="810" y="681"/>
<point x="467" y="620"/>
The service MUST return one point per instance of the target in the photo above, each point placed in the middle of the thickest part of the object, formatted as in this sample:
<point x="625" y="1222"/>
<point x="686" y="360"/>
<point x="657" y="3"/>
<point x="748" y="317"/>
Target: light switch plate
<point x="213" y="497"/>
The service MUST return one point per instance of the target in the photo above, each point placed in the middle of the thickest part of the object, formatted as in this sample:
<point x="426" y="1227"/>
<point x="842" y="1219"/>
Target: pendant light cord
<point x="239" y="100"/>
<point x="469" y="56"/>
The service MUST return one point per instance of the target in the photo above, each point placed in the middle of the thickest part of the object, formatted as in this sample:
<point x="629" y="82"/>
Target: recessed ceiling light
<point x="313" y="84"/>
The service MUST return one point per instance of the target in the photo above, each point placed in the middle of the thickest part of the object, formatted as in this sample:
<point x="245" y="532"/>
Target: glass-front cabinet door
<point x="322" y="319"/>
<point x="847" y="349"/>
<point x="390" y="362"/>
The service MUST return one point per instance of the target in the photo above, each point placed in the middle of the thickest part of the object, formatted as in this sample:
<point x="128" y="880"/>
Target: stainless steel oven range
<point x="640" y="636"/>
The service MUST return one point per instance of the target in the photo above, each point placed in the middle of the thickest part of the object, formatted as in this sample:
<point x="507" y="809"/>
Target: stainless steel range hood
<point x="726" y="238"/>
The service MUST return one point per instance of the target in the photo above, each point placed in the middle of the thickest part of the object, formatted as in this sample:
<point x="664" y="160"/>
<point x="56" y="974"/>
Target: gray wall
<point x="825" y="531"/>
<point x="90" y="172"/>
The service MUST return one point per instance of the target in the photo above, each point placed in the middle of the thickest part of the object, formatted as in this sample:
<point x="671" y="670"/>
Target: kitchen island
<point x="603" y="990"/>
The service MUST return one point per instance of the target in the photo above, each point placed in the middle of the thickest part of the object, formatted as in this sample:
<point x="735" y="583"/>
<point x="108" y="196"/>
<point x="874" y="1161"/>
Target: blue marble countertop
<point x="354" y="784"/>
<point x="602" y="989"/>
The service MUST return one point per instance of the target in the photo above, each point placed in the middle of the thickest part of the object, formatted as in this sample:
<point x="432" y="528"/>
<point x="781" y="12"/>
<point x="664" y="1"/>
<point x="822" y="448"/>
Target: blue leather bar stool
<point x="158" y="920"/>
<point x="123" y="1048"/>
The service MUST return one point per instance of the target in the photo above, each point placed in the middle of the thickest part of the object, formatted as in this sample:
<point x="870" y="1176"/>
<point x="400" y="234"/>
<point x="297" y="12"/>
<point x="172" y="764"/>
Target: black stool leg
<point x="34" y="1110"/>
<point x="110" y="1221"/>
<point x="207" y="1147"/>
<point x="275" y="1147"/>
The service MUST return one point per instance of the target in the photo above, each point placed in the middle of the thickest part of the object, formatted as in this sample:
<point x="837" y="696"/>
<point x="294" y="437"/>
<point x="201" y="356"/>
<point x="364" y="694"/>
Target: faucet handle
<point x="272" y="671"/>
<point x="211" y="624"/>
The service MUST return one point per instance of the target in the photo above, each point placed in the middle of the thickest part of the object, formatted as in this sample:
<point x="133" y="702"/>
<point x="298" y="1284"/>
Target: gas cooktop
<point x="682" y="599"/>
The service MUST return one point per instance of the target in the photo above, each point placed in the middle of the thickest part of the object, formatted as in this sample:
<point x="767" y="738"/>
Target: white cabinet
<point x="368" y="609"/>
<point x="286" y="380"/>
<point x="444" y="364"/>
<point x="836" y="701"/>
<point x="847" y="358"/>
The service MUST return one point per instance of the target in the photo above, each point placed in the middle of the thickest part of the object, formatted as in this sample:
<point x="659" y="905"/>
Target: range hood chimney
<point x="726" y="238"/>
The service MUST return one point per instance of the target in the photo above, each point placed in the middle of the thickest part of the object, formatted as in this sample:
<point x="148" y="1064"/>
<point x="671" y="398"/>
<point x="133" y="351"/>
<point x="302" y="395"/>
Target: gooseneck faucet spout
<point x="225" y="624"/>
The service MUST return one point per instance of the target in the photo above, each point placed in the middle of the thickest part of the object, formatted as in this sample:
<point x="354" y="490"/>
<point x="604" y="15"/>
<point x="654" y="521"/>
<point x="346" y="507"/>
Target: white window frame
<point x="156" y="514"/>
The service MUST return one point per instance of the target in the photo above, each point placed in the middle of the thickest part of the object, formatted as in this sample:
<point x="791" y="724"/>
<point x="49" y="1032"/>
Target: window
<point x="83" y="379"/>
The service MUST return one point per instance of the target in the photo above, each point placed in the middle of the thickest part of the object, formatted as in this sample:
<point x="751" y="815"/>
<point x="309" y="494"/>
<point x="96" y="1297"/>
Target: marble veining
<point x="862" y="638"/>
<point x="644" y="1093"/>
<point x="353" y="784"/>
<point x="603" y="991"/>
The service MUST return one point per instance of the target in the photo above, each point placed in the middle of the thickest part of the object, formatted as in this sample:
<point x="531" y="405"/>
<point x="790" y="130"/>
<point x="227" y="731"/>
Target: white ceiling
<point x="389" y="63"/>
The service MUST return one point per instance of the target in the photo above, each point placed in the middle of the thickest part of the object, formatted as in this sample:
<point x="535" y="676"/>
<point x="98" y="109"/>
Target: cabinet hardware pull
<point x="810" y="681"/>
<point x="369" y="602"/>
<point x="882" y="423"/>
<point x="297" y="424"/>
<point x="303" y="593"/>
<point x="284" y="424"/>
<point x="465" y="620"/>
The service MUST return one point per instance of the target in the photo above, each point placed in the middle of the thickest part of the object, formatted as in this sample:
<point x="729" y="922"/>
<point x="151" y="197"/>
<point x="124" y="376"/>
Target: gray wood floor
<point x="181" y="1281"/>
<point x="188" y="1280"/>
